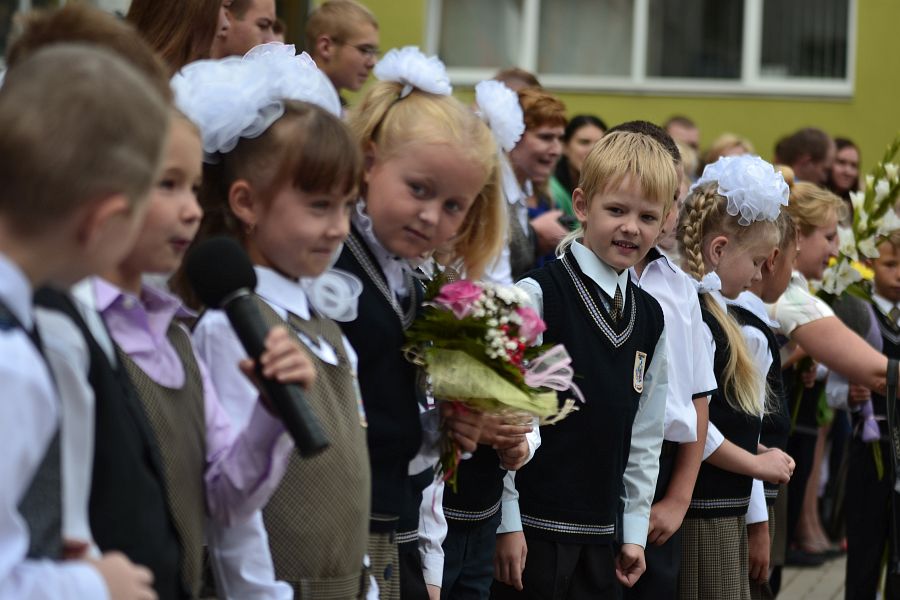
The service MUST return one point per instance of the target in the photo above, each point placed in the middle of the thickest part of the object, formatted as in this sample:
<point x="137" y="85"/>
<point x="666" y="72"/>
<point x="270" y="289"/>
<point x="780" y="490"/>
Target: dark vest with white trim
<point x="571" y="490"/>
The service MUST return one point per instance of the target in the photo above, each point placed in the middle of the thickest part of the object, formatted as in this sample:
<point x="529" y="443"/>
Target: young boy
<point x="530" y="163"/>
<point x="691" y="380"/>
<point x="342" y="37"/>
<point x="870" y="477"/>
<point x="250" y="23"/>
<point x="592" y="483"/>
<point x="81" y="143"/>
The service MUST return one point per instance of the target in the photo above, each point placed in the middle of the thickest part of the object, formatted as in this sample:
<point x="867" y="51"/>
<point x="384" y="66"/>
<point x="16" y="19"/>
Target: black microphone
<point x="222" y="276"/>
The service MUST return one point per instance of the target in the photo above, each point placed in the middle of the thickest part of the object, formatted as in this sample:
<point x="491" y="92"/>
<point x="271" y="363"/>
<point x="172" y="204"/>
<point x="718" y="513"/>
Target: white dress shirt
<point x="516" y="195"/>
<point x="690" y="364"/>
<point x="240" y="554"/>
<point x="647" y="430"/>
<point x="29" y="417"/>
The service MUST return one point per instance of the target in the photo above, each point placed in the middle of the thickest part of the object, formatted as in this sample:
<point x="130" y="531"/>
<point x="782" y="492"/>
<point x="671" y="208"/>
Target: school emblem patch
<point x="640" y="363"/>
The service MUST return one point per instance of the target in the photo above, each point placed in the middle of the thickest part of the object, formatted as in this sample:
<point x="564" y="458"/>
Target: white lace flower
<point x="847" y="243"/>
<point x="868" y="248"/>
<point x="882" y="189"/>
<point x="755" y="191"/>
<point x="413" y="69"/>
<point x="499" y="107"/>
<point x="293" y="76"/>
<point x="889" y="222"/>
<point x="709" y="283"/>
<point x="857" y="200"/>
<point x="334" y="294"/>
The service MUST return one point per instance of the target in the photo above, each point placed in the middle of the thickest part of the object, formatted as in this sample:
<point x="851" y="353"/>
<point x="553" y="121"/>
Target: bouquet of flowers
<point x="475" y="341"/>
<point x="873" y="217"/>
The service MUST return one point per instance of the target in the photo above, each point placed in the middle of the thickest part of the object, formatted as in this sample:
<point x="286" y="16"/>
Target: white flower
<point x="892" y="170"/>
<point x="294" y="76"/>
<point x="857" y="200"/>
<point x="755" y="191"/>
<point x="870" y="181"/>
<point x="413" y="69"/>
<point x="499" y="107"/>
<point x="845" y="275"/>
<point x="868" y="248"/>
<point x="847" y="243"/>
<point x="890" y="222"/>
<point x="863" y="220"/>
<point x="882" y="189"/>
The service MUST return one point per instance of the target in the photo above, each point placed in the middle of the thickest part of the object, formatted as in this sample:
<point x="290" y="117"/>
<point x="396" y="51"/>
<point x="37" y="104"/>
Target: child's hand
<point x="464" y="425"/>
<point x="548" y="231"/>
<point x="499" y="435"/>
<point x="513" y="458"/>
<point x="283" y="361"/>
<point x="859" y="394"/>
<point x="665" y="519"/>
<point x="630" y="564"/>
<point x="758" y="542"/>
<point x="774" y="466"/>
<point x="509" y="558"/>
<point x="124" y="579"/>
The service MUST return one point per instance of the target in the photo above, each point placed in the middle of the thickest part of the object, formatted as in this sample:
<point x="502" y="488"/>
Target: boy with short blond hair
<point x="342" y="37"/>
<point x="82" y="139"/>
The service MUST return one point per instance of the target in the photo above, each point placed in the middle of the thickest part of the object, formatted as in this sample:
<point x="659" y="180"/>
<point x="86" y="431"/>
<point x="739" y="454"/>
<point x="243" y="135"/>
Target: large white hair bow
<point x="754" y="189"/>
<point x="235" y="97"/>
<point x="413" y="69"/>
<point x="499" y="107"/>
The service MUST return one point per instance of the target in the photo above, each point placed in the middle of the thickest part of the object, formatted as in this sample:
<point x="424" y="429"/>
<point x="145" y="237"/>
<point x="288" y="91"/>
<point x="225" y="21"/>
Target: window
<point x="802" y="47"/>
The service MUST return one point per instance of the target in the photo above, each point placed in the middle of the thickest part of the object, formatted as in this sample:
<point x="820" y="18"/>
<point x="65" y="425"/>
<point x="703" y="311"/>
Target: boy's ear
<point x="769" y="265"/>
<point x="243" y="203"/>
<point x="325" y="47"/>
<point x="97" y="216"/>
<point x="717" y="249"/>
<point x="579" y="205"/>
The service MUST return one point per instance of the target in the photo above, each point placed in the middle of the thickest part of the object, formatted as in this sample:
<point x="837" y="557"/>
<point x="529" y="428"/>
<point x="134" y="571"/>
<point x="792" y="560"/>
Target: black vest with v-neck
<point x="721" y="493"/>
<point x="390" y="390"/>
<point x="890" y="347"/>
<point x="570" y="491"/>
<point x="776" y="422"/>
<point x="128" y="509"/>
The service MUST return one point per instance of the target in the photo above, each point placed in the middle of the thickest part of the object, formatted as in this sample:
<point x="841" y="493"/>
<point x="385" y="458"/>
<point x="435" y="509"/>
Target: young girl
<point x="286" y="195"/>
<point x="208" y="467"/>
<point x="431" y="176"/>
<point x="727" y="252"/>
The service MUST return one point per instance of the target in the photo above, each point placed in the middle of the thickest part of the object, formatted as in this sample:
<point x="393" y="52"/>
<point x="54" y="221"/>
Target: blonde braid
<point x="690" y="228"/>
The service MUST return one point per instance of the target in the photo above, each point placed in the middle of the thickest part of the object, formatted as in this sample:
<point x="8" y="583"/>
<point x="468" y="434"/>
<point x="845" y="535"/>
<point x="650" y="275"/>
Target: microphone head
<point x="218" y="267"/>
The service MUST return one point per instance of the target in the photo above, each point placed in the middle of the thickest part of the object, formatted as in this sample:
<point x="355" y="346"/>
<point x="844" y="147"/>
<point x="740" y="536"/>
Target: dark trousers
<point x="412" y="578"/>
<point x="802" y="448"/>
<point x="557" y="571"/>
<point x="869" y="521"/>
<point x="660" y="580"/>
<point x="469" y="559"/>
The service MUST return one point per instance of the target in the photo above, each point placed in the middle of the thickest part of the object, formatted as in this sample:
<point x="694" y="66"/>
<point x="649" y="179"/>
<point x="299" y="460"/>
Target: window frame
<point x="750" y="82"/>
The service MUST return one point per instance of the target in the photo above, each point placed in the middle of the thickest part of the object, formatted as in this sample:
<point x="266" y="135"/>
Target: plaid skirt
<point x="382" y="550"/>
<point x="714" y="560"/>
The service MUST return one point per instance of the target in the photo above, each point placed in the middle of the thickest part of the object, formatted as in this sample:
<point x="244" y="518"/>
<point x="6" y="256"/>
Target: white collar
<point x="655" y="260"/>
<point x="282" y="291"/>
<point x="755" y="305"/>
<point x="883" y="304"/>
<point x="515" y="193"/>
<point x="798" y="279"/>
<point x="600" y="272"/>
<point x="393" y="267"/>
<point x="16" y="292"/>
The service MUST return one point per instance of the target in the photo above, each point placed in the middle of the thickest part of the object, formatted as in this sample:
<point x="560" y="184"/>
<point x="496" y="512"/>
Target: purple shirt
<point x="243" y="468"/>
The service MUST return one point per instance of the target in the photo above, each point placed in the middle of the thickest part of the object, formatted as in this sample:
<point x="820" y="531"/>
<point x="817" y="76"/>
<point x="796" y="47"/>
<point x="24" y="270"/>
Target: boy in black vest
<point x="81" y="143"/>
<point x="870" y="477"/>
<point x="585" y="497"/>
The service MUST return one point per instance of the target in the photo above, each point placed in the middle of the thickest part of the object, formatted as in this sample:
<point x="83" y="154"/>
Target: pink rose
<point x="459" y="297"/>
<point x="532" y="325"/>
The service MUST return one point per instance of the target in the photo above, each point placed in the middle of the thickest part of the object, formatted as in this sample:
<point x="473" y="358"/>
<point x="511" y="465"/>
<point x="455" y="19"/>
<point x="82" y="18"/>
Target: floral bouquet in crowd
<point x="476" y="343"/>
<point x="873" y="217"/>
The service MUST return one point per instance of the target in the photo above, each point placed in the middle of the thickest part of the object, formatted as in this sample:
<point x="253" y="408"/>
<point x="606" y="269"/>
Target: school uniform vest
<point x="521" y="244"/>
<point x="41" y="505"/>
<point x="479" y="489"/>
<point x="390" y="385"/>
<point x="720" y="493"/>
<point x="570" y="491"/>
<point x="776" y="422"/>
<point x="177" y="417"/>
<point x="890" y="340"/>
<point x="128" y="511"/>
<point x="318" y="517"/>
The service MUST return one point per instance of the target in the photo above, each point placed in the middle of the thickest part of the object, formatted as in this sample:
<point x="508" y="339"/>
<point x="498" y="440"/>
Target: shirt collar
<point x="16" y="292"/>
<point x="754" y="304"/>
<point x="883" y="304"/>
<point x="600" y="272"/>
<point x="282" y="291"/>
<point x="655" y="258"/>
<point x="161" y="306"/>
<point x="515" y="193"/>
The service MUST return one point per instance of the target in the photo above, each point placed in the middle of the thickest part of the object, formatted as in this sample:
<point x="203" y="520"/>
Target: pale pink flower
<point x="459" y="297"/>
<point x="532" y="325"/>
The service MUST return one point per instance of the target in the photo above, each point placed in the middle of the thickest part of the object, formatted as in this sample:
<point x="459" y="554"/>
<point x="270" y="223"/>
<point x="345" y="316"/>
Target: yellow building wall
<point x="871" y="117"/>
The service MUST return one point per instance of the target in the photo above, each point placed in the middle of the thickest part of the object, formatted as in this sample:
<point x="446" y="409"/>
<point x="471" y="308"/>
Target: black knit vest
<point x="479" y="488"/>
<point x="720" y="493"/>
<point x="890" y="347"/>
<point x="390" y="390"/>
<point x="570" y="491"/>
<point x="128" y="508"/>
<point x="776" y="422"/>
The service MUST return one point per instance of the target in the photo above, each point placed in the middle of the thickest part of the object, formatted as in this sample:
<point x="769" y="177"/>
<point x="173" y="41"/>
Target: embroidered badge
<point x="640" y="362"/>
